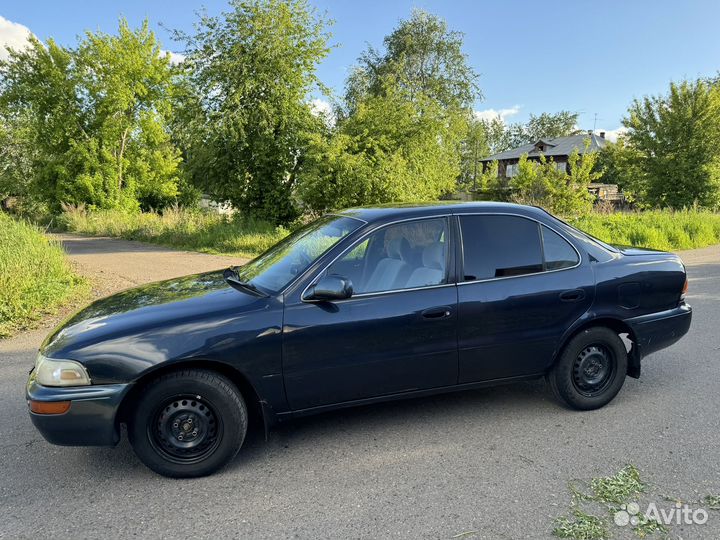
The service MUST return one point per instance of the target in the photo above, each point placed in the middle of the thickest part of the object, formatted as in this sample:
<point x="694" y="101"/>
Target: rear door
<point x="522" y="285"/>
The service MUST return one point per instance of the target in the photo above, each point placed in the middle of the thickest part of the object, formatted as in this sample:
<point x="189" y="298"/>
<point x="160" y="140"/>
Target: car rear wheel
<point x="188" y="423"/>
<point x="591" y="369"/>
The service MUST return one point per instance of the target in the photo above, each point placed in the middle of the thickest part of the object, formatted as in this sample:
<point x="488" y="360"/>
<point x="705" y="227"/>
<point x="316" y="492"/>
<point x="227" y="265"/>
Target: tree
<point x="246" y="119"/>
<point x="544" y="126"/>
<point x="619" y="163"/>
<point x="398" y="136"/>
<point x="390" y="149"/>
<point x="424" y="58"/>
<point x="475" y="147"/>
<point x="677" y="141"/>
<point x="560" y="190"/>
<point x="92" y="120"/>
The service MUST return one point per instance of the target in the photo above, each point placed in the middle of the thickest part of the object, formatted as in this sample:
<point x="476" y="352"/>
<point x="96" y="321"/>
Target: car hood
<point x="156" y="304"/>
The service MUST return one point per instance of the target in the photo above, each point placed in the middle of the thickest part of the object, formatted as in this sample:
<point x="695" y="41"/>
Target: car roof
<point x="397" y="211"/>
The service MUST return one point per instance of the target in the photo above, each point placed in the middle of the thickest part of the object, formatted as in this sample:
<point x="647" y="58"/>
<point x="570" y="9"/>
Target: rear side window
<point x="558" y="252"/>
<point x="500" y="246"/>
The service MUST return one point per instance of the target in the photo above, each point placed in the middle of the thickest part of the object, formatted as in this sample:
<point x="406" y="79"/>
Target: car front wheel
<point x="188" y="423"/>
<point x="590" y="370"/>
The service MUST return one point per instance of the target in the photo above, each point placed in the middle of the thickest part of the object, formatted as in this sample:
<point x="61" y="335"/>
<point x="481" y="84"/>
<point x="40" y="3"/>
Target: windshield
<point x="278" y="266"/>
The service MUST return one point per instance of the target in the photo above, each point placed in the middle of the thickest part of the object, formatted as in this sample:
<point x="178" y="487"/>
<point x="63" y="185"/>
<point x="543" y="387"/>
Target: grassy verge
<point x="657" y="229"/>
<point x="198" y="231"/>
<point x="35" y="276"/>
<point x="184" y="229"/>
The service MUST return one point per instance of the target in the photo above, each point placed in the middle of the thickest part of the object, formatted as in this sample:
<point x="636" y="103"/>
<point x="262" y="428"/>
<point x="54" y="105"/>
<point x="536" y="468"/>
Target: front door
<point x="397" y="333"/>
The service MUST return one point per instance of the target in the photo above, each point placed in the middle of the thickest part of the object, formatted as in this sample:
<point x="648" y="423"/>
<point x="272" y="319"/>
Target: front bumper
<point x="656" y="331"/>
<point x="90" y="421"/>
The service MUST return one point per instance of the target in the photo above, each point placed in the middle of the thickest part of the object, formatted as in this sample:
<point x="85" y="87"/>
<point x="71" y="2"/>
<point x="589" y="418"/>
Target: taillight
<point x="684" y="290"/>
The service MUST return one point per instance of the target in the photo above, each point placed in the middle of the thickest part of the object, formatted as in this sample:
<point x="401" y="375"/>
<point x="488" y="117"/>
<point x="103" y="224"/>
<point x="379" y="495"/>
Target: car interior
<point x="402" y="256"/>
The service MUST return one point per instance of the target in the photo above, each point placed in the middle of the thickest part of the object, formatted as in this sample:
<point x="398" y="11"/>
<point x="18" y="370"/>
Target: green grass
<point x="604" y="496"/>
<point x="657" y="229"/>
<point x="211" y="233"/>
<point x="617" y="489"/>
<point x="581" y="526"/>
<point x="184" y="229"/>
<point x="35" y="276"/>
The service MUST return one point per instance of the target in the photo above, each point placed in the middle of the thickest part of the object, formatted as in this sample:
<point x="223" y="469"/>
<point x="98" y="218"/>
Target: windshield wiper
<point x="232" y="278"/>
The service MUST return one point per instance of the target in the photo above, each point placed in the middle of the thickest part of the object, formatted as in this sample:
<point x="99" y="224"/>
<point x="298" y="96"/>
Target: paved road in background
<point x="492" y="463"/>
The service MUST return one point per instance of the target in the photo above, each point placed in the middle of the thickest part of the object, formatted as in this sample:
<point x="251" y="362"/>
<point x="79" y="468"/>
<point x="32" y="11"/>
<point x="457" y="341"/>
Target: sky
<point x="590" y="57"/>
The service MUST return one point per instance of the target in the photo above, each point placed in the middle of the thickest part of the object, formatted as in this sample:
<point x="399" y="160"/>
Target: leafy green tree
<point x="398" y="137"/>
<point x="677" y="141"/>
<point x="245" y="118"/>
<point x="475" y="146"/>
<point x="544" y="126"/>
<point x="619" y="163"/>
<point x="560" y="190"/>
<point x="16" y="157"/>
<point x="41" y="116"/>
<point x="424" y="58"/>
<point x="390" y="149"/>
<point x="94" y="119"/>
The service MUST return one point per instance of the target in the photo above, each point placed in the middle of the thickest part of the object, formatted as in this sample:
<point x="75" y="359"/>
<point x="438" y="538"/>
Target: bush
<point x="35" y="276"/>
<point x="177" y="227"/>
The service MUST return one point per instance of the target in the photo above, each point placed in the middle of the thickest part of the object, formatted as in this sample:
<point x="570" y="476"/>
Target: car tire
<point x="591" y="369"/>
<point x="188" y="423"/>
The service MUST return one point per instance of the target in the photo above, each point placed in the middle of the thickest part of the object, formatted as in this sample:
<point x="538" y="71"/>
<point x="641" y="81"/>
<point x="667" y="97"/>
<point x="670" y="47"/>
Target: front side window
<point x="278" y="266"/>
<point x="406" y="255"/>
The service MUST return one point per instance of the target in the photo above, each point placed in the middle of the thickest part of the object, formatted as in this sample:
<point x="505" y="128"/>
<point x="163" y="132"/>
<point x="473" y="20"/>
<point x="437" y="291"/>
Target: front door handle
<point x="574" y="295"/>
<point x="439" y="312"/>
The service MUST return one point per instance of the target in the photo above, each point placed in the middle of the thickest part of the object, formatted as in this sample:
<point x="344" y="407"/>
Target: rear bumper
<point x="90" y="421"/>
<point x="656" y="331"/>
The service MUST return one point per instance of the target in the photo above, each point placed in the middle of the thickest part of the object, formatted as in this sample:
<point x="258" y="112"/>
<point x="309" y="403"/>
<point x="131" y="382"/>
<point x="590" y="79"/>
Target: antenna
<point x="595" y="123"/>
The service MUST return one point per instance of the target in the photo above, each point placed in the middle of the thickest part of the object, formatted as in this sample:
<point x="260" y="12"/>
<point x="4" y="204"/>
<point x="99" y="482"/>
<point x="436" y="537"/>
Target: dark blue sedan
<point x="360" y="306"/>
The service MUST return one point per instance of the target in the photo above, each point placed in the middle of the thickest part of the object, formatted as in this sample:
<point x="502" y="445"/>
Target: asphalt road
<point x="492" y="463"/>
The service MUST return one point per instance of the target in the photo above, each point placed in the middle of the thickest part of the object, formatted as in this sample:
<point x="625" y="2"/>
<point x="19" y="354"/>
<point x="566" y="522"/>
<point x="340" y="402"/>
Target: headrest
<point x="433" y="256"/>
<point x="398" y="248"/>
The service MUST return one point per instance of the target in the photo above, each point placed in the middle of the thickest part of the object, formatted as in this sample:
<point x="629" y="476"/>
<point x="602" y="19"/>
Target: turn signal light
<point x="684" y="290"/>
<point x="49" y="407"/>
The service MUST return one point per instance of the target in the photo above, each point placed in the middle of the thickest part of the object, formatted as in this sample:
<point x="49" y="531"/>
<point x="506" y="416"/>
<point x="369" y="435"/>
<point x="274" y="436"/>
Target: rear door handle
<point x="439" y="312"/>
<point x="574" y="295"/>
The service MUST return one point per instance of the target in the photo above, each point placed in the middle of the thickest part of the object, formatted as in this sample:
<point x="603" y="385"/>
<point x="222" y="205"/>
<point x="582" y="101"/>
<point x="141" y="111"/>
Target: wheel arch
<point x="258" y="415"/>
<point x="616" y="325"/>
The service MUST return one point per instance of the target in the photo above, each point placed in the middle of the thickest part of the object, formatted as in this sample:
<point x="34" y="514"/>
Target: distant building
<point x="559" y="149"/>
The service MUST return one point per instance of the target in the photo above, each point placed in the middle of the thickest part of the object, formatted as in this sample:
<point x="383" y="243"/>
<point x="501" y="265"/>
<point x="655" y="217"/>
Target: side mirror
<point x="330" y="288"/>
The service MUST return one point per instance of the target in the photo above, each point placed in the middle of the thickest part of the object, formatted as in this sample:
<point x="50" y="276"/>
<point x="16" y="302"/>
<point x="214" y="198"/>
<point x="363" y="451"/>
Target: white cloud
<point x="175" y="58"/>
<point x="322" y="108"/>
<point x="12" y="35"/>
<point x="502" y="114"/>
<point x="612" y="134"/>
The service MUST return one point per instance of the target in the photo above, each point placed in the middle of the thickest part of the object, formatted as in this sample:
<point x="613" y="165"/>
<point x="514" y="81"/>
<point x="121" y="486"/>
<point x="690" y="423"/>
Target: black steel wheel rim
<point x="185" y="429"/>
<point x="593" y="370"/>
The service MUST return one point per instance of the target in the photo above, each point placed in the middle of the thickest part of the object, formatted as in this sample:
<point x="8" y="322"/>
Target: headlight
<point x="52" y="372"/>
